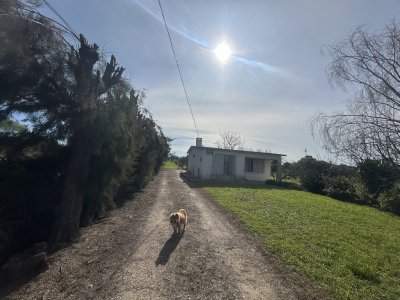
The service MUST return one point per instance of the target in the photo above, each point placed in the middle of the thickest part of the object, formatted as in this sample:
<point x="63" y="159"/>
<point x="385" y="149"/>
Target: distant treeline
<point x="74" y="140"/>
<point x="180" y="161"/>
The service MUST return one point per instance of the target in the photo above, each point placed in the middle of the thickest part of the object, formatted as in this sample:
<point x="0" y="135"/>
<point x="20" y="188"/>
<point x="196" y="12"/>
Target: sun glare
<point x="223" y="52"/>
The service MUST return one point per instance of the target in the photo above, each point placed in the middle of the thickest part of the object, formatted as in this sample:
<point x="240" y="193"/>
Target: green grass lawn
<point x="354" y="250"/>
<point x="170" y="165"/>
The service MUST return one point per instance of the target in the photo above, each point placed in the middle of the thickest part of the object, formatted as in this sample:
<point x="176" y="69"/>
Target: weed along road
<point x="132" y="255"/>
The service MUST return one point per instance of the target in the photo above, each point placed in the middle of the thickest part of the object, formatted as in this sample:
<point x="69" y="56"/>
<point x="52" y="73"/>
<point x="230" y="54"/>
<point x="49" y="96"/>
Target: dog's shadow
<point x="169" y="247"/>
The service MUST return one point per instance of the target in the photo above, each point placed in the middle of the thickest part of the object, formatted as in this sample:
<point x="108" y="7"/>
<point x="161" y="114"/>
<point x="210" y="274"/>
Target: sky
<point x="270" y="88"/>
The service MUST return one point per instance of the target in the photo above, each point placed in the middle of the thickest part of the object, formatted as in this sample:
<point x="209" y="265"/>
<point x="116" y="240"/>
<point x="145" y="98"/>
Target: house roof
<point x="236" y="151"/>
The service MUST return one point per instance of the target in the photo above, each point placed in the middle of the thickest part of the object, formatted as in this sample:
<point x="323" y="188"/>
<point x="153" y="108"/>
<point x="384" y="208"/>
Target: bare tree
<point x="230" y="140"/>
<point x="367" y="67"/>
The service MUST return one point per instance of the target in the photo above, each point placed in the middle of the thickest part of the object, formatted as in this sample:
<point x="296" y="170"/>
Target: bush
<point x="312" y="173"/>
<point x="362" y="194"/>
<point x="377" y="176"/>
<point x="340" y="187"/>
<point x="286" y="184"/>
<point x="389" y="200"/>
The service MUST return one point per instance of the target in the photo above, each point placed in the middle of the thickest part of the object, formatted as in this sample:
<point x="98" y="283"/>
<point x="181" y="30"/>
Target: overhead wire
<point x="66" y="27"/>
<point x="69" y="29"/>
<point x="177" y="65"/>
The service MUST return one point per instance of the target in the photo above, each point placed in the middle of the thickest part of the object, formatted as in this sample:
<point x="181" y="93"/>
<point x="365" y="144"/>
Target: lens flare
<point x="223" y="52"/>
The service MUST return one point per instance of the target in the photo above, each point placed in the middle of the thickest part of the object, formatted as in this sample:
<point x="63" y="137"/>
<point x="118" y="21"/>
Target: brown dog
<point x="178" y="221"/>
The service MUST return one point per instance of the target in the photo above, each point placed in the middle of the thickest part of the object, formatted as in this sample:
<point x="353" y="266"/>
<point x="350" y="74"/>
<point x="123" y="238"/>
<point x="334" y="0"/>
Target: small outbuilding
<point x="208" y="163"/>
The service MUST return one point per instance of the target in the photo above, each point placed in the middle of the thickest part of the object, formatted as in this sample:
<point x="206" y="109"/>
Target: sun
<point x="223" y="52"/>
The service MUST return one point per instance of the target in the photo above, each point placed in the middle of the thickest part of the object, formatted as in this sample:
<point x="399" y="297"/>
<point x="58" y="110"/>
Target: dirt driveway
<point x="131" y="255"/>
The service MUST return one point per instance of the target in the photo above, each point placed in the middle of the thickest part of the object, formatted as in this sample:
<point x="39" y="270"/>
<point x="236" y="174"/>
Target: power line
<point x="177" y="65"/>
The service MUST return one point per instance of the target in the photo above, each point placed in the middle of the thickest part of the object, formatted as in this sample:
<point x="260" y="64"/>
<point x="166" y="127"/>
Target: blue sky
<point x="267" y="92"/>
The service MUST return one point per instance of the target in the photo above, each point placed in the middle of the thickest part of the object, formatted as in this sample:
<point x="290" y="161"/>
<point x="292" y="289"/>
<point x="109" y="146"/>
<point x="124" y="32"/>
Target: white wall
<point x="200" y="163"/>
<point x="207" y="157"/>
<point x="194" y="162"/>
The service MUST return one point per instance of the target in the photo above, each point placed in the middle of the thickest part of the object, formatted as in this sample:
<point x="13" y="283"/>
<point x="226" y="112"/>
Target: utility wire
<point x="177" y="65"/>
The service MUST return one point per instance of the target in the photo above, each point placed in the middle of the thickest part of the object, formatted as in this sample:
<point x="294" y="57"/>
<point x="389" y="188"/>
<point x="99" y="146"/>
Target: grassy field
<point x="170" y="165"/>
<point x="353" y="250"/>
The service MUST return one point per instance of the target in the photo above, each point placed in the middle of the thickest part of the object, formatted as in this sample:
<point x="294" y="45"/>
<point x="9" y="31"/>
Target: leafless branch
<point x="230" y="140"/>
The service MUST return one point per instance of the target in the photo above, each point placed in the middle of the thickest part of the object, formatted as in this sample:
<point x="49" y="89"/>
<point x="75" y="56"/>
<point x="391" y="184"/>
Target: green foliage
<point x="76" y="107"/>
<point x="287" y="183"/>
<point x="390" y="199"/>
<point x="376" y="175"/>
<point x="180" y="161"/>
<point x="371" y="183"/>
<point x="116" y="133"/>
<point x="154" y="151"/>
<point x="35" y="79"/>
<point x="312" y="173"/>
<point x="362" y="194"/>
<point x="289" y="170"/>
<point x="351" y="249"/>
<point x="170" y="165"/>
<point x="340" y="187"/>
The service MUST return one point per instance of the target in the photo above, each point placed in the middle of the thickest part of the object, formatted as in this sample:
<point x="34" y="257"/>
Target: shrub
<point x="376" y="175"/>
<point x="285" y="184"/>
<point x="362" y="194"/>
<point x="340" y="187"/>
<point x="389" y="200"/>
<point x="270" y="182"/>
<point x="312" y="173"/>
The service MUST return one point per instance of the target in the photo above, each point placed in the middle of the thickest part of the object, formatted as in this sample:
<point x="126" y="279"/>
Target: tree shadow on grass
<point x="169" y="247"/>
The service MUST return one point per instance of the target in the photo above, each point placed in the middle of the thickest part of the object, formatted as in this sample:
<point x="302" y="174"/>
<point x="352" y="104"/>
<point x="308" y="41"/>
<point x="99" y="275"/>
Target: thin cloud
<point x="151" y="9"/>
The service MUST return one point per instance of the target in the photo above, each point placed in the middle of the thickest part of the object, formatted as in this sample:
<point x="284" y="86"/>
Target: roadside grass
<point x="169" y="165"/>
<point x="351" y="249"/>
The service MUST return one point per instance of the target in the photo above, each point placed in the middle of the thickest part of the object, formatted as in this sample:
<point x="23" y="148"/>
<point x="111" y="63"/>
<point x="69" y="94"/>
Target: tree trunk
<point x="66" y="227"/>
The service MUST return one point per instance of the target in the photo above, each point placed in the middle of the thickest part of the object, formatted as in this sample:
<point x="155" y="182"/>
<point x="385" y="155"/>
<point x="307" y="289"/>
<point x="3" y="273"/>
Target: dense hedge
<point x="73" y="102"/>
<point x="371" y="182"/>
<point x="31" y="180"/>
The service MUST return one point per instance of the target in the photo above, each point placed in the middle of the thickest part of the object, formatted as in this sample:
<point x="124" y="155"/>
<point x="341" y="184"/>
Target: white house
<point x="216" y="163"/>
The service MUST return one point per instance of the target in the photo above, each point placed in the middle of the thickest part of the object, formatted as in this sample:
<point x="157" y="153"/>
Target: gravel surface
<point x="132" y="255"/>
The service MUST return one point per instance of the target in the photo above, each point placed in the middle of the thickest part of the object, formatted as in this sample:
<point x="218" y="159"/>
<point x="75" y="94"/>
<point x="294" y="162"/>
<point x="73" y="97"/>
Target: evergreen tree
<point x="88" y="139"/>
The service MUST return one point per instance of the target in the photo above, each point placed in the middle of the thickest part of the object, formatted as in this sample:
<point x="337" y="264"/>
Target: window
<point x="254" y="165"/>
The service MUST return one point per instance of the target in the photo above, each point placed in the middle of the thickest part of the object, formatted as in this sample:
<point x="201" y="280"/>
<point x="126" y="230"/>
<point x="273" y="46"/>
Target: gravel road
<point x="132" y="255"/>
